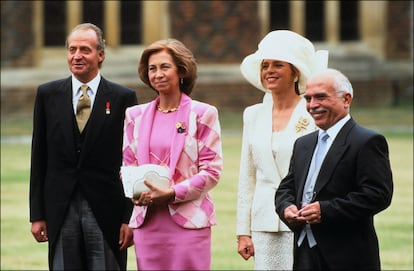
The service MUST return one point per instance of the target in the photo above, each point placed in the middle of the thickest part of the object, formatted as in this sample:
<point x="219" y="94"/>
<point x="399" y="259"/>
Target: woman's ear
<point x="295" y="73"/>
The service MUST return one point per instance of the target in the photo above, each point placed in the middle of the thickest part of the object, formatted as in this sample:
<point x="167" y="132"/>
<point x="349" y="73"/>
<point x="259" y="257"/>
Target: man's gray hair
<point x="341" y="83"/>
<point x="98" y="31"/>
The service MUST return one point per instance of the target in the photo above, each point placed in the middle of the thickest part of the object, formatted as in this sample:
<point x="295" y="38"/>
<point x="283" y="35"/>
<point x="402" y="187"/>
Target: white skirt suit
<point x="265" y="157"/>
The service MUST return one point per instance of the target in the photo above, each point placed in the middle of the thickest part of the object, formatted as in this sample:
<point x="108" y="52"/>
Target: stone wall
<point x="399" y="18"/>
<point x="16" y="33"/>
<point x="220" y="32"/>
<point x="216" y="31"/>
<point x="229" y="97"/>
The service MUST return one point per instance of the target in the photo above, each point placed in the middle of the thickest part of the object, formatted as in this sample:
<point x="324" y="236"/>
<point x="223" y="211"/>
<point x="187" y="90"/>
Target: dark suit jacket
<point x="354" y="184"/>
<point x="59" y="164"/>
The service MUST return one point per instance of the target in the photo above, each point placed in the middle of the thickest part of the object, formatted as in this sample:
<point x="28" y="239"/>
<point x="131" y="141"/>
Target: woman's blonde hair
<point x="182" y="57"/>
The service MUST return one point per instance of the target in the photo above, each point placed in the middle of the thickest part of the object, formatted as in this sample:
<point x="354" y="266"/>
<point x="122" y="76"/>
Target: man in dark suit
<point x="77" y="202"/>
<point x="331" y="207"/>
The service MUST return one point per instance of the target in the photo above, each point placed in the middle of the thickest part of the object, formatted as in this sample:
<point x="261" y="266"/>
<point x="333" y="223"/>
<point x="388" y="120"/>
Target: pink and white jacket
<point x="195" y="163"/>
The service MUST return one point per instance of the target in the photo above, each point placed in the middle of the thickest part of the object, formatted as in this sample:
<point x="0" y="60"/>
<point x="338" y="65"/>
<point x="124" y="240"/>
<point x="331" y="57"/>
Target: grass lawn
<point x="19" y="251"/>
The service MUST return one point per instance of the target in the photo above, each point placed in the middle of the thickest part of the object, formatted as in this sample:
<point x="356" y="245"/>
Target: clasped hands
<point x="155" y="195"/>
<point x="309" y="214"/>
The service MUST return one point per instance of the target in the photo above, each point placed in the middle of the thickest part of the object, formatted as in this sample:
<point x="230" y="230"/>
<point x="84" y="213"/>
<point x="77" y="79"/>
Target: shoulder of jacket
<point x="54" y="86"/>
<point x="201" y="108"/>
<point x="117" y="86"/>
<point x="55" y="83"/>
<point x="362" y="133"/>
<point x="305" y="138"/>
<point x="139" y="108"/>
<point x="252" y="110"/>
<point x="195" y="103"/>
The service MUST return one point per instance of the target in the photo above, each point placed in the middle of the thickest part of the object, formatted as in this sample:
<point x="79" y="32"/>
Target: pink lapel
<point x="179" y="137"/>
<point x="145" y="128"/>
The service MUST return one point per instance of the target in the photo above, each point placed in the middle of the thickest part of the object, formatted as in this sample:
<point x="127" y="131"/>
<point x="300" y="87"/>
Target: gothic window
<point x="314" y="22"/>
<point x="279" y="15"/>
<point x="93" y="13"/>
<point x="314" y="18"/>
<point x="54" y="31"/>
<point x="131" y="23"/>
<point x="349" y="29"/>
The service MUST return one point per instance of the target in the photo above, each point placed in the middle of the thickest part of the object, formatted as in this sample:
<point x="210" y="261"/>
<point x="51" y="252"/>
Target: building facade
<point x="370" y="41"/>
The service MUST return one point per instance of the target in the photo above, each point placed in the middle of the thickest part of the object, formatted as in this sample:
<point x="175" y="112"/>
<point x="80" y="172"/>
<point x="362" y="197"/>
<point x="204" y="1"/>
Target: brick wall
<point x="229" y="97"/>
<point x="399" y="40"/>
<point x="220" y="32"/>
<point x="16" y="33"/>
<point x="216" y="31"/>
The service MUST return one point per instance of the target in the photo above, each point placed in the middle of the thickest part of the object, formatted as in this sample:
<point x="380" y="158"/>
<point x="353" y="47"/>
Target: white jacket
<point x="260" y="170"/>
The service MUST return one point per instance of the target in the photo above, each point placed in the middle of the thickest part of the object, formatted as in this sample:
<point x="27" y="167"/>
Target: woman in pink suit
<point x="172" y="226"/>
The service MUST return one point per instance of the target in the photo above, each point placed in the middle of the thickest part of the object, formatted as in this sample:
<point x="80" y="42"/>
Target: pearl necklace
<point x="167" y="110"/>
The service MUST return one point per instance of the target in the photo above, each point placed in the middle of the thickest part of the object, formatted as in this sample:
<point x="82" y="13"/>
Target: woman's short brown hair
<point x="182" y="57"/>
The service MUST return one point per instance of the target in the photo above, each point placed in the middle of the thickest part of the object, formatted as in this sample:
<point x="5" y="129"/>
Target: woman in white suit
<point x="280" y="67"/>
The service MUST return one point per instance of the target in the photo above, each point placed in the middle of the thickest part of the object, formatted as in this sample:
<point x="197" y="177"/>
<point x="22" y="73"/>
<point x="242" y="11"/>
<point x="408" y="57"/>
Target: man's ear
<point x="347" y="99"/>
<point x="101" y="54"/>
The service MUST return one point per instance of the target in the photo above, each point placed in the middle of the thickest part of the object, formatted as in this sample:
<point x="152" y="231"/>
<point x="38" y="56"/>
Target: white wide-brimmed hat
<point x="287" y="46"/>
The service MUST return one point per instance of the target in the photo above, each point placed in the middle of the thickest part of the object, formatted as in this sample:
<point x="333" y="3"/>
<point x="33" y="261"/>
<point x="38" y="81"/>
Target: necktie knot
<point x="84" y="89"/>
<point x="320" y="152"/>
<point x="324" y="136"/>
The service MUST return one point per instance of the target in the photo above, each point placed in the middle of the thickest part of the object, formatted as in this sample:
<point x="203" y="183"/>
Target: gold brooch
<point x="302" y="124"/>
<point x="180" y="127"/>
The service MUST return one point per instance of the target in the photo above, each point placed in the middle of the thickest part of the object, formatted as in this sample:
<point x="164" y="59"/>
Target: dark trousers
<point x="307" y="258"/>
<point x="81" y="244"/>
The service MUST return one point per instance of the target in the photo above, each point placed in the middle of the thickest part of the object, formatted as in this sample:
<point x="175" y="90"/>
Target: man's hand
<point x="310" y="213"/>
<point x="126" y="237"/>
<point x="39" y="231"/>
<point x="291" y="214"/>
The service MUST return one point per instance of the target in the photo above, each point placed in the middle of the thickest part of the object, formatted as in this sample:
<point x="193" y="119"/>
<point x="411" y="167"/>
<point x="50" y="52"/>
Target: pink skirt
<point x="162" y="244"/>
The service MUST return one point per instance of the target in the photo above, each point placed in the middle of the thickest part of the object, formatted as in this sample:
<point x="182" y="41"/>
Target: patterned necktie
<point x="310" y="185"/>
<point x="83" y="109"/>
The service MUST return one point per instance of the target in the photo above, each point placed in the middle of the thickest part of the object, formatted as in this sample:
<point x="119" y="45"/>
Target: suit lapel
<point x="333" y="156"/>
<point x="304" y="160"/>
<point x="98" y="116"/>
<point x="145" y="127"/>
<point x="179" y="138"/>
<point x="63" y="110"/>
<point x="263" y="123"/>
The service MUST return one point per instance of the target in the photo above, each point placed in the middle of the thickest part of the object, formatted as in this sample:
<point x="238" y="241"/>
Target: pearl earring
<point x="296" y="79"/>
<point x="181" y="81"/>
